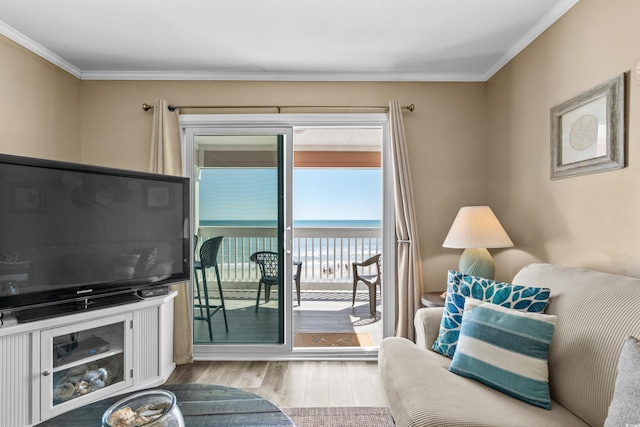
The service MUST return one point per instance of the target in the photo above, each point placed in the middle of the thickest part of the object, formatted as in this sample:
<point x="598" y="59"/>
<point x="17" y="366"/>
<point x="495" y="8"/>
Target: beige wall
<point x="39" y="106"/>
<point x="588" y="221"/>
<point x="445" y="134"/>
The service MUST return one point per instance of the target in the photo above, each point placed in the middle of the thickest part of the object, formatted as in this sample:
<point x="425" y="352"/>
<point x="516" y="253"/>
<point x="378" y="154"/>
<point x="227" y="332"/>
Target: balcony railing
<point x="326" y="253"/>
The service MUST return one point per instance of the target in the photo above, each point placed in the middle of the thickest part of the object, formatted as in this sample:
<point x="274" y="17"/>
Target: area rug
<point x="341" y="417"/>
<point x="327" y="339"/>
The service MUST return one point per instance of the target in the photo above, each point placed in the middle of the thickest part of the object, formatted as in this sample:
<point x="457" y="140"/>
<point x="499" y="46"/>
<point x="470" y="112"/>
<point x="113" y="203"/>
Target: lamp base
<point x="477" y="262"/>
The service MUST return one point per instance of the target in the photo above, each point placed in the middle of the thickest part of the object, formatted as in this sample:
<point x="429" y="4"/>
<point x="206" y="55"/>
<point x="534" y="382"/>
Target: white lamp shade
<point x="476" y="227"/>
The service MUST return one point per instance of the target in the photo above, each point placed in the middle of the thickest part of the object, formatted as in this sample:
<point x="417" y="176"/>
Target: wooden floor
<point x="292" y="384"/>
<point x="319" y="311"/>
<point x="295" y="383"/>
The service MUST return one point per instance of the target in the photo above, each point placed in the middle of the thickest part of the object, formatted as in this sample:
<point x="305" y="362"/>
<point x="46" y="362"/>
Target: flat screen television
<point x="75" y="236"/>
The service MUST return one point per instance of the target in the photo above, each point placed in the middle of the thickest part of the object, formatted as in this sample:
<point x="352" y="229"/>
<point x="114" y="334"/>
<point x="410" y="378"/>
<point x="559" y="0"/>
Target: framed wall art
<point x="28" y="198"/>
<point x="588" y="131"/>
<point x="157" y="197"/>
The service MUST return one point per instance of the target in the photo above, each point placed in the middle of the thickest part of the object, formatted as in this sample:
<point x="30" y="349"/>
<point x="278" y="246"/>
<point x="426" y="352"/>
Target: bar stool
<point x="209" y="259"/>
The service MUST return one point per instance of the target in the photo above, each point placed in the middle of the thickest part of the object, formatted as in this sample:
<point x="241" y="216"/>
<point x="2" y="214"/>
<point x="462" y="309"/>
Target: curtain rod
<point x="411" y="107"/>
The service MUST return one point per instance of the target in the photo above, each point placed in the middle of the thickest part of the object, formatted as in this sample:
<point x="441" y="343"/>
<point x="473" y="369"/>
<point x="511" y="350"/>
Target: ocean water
<point x="329" y="223"/>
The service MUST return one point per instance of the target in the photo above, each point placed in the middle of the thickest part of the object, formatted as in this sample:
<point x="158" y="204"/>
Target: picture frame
<point x="588" y="131"/>
<point x="157" y="197"/>
<point x="28" y="198"/>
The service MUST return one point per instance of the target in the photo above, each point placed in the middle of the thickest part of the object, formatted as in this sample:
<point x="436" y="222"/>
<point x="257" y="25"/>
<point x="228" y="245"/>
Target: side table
<point x="432" y="299"/>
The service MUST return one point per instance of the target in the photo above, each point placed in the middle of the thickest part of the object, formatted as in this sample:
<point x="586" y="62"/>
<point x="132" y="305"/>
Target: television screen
<point x="69" y="231"/>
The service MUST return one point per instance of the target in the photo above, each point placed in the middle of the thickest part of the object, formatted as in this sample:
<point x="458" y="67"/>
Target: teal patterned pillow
<point x="459" y="286"/>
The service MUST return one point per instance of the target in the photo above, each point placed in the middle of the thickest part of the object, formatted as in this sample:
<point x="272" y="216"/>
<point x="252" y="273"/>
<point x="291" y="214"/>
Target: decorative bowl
<point x="149" y="408"/>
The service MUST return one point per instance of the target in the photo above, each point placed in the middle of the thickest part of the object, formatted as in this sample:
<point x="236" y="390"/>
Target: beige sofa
<point x="596" y="312"/>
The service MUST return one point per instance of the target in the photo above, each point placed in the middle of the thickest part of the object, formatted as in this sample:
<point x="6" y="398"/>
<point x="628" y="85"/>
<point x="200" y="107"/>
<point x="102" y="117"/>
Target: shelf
<point x="89" y="359"/>
<point x="89" y="397"/>
<point x="103" y="342"/>
<point x="91" y="375"/>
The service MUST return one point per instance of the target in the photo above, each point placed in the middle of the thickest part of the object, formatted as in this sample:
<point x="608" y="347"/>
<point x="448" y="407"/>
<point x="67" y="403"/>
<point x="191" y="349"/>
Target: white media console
<point x="48" y="367"/>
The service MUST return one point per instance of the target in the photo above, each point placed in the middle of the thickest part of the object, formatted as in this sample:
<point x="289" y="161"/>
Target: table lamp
<point x="475" y="229"/>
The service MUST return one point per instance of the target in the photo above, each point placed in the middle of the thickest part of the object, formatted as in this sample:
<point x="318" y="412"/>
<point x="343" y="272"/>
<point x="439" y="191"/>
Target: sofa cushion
<point x="625" y="406"/>
<point x="506" y="349"/>
<point x="422" y="392"/>
<point x="146" y="261"/>
<point x="460" y="286"/>
<point x="126" y="266"/>
<point x="596" y="314"/>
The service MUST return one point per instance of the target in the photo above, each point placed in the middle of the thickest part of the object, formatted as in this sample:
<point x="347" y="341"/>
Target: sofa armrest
<point x="427" y="324"/>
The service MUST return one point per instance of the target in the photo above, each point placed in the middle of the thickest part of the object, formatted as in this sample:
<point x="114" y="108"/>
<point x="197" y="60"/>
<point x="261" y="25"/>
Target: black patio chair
<point x="268" y="264"/>
<point x="208" y="259"/>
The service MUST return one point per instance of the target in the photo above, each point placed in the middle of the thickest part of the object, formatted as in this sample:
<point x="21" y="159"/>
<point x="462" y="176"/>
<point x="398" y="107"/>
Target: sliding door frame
<point x="241" y="123"/>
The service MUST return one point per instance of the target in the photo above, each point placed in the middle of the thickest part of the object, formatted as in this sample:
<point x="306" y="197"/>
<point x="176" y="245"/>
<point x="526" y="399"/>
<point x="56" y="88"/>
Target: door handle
<point x="286" y="236"/>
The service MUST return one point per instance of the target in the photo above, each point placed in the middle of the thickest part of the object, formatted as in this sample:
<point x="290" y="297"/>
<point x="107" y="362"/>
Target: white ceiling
<point x="352" y="40"/>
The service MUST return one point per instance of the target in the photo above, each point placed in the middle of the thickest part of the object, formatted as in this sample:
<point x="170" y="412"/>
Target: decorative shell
<point x="122" y="418"/>
<point x="64" y="391"/>
<point x="126" y="417"/>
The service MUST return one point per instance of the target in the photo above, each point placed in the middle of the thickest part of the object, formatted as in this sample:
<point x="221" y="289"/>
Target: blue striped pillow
<point x="506" y="349"/>
<point x="461" y="286"/>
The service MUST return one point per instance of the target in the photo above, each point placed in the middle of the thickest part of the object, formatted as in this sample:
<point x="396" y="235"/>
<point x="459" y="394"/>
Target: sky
<point x="337" y="194"/>
<point x="318" y="194"/>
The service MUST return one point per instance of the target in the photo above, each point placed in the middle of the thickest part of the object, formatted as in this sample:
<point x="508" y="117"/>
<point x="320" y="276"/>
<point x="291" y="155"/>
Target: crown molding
<point x="266" y="76"/>
<point x="552" y="16"/>
<point x="39" y="50"/>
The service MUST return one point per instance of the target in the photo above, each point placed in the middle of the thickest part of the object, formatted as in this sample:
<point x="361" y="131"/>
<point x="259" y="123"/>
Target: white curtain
<point x="166" y="158"/>
<point x="409" y="266"/>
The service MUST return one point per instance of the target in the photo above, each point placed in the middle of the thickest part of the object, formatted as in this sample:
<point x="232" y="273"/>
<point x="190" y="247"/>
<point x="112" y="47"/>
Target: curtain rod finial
<point x="147" y="107"/>
<point x="411" y="107"/>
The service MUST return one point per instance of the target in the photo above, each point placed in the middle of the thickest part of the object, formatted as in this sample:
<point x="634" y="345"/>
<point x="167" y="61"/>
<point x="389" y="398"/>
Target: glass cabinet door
<point x="77" y="363"/>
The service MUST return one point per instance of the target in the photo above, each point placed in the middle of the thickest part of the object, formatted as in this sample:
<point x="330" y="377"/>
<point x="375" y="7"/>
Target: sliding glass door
<point x="242" y="169"/>
<point x="240" y="292"/>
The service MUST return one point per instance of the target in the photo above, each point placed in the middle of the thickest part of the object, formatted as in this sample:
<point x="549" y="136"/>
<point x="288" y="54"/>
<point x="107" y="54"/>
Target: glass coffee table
<point x="202" y="405"/>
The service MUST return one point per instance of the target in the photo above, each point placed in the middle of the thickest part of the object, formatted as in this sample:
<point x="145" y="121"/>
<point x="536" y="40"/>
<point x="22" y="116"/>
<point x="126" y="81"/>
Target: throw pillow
<point x="161" y="271"/>
<point x="625" y="406"/>
<point x="506" y="350"/>
<point x="461" y="286"/>
<point x="126" y="266"/>
<point x="146" y="261"/>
